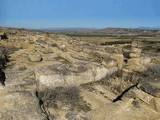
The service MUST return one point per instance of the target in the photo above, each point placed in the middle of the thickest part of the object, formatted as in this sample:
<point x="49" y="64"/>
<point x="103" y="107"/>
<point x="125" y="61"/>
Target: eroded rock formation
<point x="52" y="76"/>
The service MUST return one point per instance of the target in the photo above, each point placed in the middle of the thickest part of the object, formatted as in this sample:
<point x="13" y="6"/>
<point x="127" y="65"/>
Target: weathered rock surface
<point x="35" y="57"/>
<point x="136" y="49"/>
<point x="67" y="75"/>
<point x="54" y="77"/>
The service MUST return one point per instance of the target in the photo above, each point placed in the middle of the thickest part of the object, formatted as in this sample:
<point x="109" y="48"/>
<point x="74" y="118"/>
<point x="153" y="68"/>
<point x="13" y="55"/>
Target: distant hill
<point x="104" y="31"/>
<point x="149" y="28"/>
<point x="110" y="31"/>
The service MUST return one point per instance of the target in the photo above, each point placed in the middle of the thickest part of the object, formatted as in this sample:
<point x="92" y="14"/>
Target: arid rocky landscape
<point x="46" y="75"/>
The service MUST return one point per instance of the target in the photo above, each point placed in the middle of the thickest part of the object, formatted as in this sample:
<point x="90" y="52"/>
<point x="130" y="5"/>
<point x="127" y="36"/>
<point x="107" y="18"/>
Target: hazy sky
<point x="79" y="13"/>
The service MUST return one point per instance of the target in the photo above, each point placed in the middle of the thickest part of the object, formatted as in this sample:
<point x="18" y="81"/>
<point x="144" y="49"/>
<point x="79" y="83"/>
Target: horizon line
<point x="82" y="28"/>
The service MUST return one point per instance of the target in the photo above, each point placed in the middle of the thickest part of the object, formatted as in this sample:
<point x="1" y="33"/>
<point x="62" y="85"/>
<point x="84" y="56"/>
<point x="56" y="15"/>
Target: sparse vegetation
<point x="147" y="35"/>
<point x="116" y="42"/>
<point x="11" y="50"/>
<point x="66" y="96"/>
<point x="89" y="35"/>
<point x="127" y="37"/>
<point x="148" y="48"/>
<point x="116" y="36"/>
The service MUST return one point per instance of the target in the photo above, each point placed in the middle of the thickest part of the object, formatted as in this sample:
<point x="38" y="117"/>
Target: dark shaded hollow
<point x="2" y="77"/>
<point x="41" y="104"/>
<point x="125" y="91"/>
<point x="4" y="36"/>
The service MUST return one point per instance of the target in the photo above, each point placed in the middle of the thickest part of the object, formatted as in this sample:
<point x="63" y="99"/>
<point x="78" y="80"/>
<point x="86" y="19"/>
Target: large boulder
<point x="139" y="61"/>
<point x="139" y="64"/>
<point x="135" y="52"/>
<point x="136" y="49"/>
<point x="64" y="74"/>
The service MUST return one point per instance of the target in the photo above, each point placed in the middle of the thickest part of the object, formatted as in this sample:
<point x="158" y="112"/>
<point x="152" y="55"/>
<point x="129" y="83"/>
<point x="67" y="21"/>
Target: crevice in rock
<point x="2" y="77"/>
<point x="3" y="61"/>
<point x="42" y="106"/>
<point x="125" y="91"/>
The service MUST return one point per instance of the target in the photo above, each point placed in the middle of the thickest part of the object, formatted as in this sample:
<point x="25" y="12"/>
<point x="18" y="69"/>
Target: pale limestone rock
<point x="139" y="61"/>
<point x="134" y="55"/>
<point x="62" y="47"/>
<point x="35" y="57"/>
<point x="150" y="101"/>
<point x="137" y="43"/>
<point x="136" y="50"/>
<point x="109" y="63"/>
<point x="120" y="60"/>
<point x="50" y="78"/>
<point x="145" y="60"/>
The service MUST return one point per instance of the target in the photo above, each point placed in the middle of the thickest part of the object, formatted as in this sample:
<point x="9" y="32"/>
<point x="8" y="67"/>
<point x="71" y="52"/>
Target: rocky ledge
<point x="47" y="76"/>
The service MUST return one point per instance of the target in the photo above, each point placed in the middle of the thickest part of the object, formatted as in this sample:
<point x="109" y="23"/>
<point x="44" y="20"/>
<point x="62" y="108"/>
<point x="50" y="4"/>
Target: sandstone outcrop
<point x="136" y="49"/>
<point x="53" y="77"/>
<point x="35" y="57"/>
